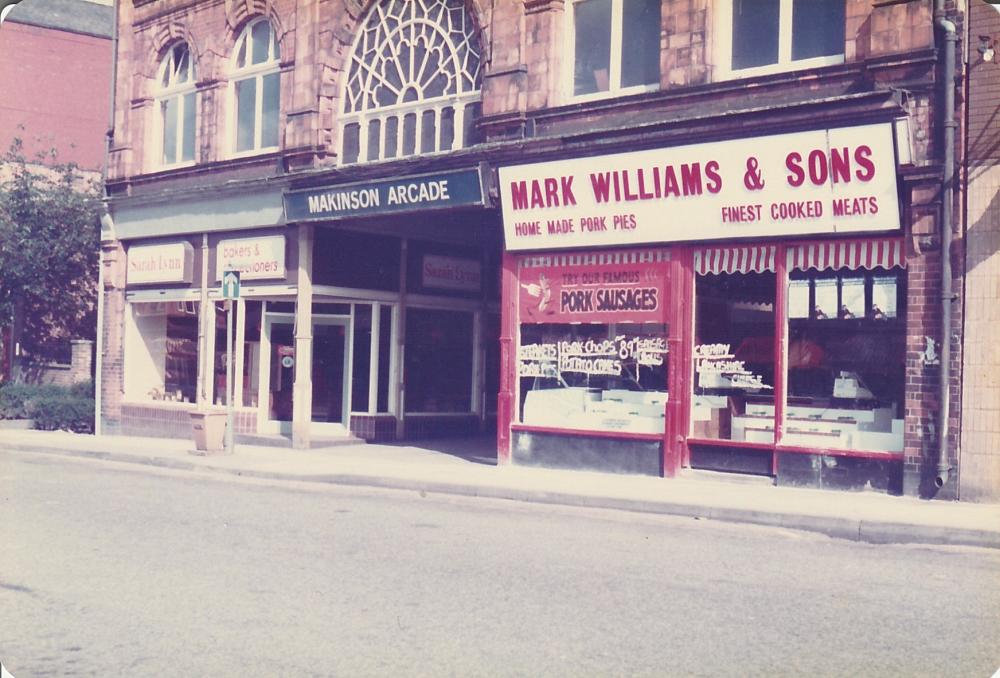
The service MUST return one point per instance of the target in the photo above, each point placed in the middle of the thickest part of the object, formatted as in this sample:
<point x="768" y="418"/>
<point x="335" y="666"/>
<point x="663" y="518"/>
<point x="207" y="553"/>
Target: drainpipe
<point x="950" y="38"/>
<point x="107" y="226"/>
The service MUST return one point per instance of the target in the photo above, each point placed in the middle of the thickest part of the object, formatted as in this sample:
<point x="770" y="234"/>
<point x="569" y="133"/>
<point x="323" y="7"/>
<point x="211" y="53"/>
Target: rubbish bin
<point x="209" y="430"/>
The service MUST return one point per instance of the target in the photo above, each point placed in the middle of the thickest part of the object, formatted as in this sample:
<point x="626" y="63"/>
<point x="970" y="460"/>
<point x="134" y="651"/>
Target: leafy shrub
<point x="83" y="389"/>
<point x="14" y="398"/>
<point x="62" y="412"/>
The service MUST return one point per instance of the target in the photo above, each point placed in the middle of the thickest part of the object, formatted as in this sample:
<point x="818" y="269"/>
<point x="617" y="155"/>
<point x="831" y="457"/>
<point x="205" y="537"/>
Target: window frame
<point x="257" y="73"/>
<point x="179" y="92"/>
<point x="462" y="103"/>
<point x="785" y="63"/>
<point x="614" y="63"/>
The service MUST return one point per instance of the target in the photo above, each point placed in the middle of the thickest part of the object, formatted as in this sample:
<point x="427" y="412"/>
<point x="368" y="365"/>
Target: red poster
<point x="604" y="293"/>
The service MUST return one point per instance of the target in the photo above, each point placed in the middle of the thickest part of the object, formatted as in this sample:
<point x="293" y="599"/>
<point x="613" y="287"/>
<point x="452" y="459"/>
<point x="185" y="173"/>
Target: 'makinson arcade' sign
<point x="825" y="181"/>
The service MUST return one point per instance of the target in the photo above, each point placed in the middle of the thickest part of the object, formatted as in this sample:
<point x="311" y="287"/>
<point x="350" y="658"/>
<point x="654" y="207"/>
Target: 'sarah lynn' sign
<point x="255" y="258"/>
<point x="457" y="188"/>
<point x="168" y="263"/>
<point x="599" y="293"/>
<point x="825" y="181"/>
<point x="451" y="273"/>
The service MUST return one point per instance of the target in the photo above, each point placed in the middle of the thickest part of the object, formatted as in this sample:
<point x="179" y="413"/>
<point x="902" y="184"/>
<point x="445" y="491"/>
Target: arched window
<point x="256" y="87"/>
<point x="177" y="107"/>
<point x="413" y="81"/>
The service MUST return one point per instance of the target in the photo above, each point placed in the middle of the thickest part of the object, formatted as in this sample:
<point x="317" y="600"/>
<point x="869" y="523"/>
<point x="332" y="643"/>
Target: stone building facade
<point x="526" y="85"/>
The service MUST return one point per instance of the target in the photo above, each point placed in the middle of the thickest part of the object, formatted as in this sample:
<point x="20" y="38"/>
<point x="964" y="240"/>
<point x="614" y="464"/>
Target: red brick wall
<point x="57" y="85"/>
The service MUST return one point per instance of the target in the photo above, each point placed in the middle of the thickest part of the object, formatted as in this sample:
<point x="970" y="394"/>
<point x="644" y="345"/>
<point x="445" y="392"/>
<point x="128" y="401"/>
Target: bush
<point x="82" y="389"/>
<point x="14" y="398"/>
<point x="62" y="412"/>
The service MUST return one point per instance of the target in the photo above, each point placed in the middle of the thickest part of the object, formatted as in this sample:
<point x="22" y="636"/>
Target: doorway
<point x="330" y="383"/>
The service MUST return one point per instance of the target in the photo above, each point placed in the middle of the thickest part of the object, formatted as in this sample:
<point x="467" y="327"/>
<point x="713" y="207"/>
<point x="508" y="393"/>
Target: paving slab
<point x="859" y="516"/>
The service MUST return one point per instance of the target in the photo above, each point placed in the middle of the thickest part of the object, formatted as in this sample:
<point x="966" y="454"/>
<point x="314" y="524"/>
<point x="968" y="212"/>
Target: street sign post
<point x="230" y="292"/>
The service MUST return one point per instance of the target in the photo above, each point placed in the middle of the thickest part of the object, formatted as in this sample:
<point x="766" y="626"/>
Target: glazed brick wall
<point x="980" y="469"/>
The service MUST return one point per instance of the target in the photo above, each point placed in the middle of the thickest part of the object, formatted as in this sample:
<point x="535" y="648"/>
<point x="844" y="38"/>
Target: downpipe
<point x="950" y="38"/>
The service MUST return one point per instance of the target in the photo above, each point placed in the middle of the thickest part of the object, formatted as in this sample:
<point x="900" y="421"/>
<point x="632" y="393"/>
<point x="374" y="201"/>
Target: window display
<point x="161" y="353"/>
<point x="846" y="371"/>
<point x="734" y="357"/>
<point x="609" y="377"/>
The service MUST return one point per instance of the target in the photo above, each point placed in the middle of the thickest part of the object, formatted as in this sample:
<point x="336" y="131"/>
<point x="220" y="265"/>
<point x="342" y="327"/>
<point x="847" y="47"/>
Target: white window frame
<point x="614" y="64"/>
<point x="460" y="102"/>
<point x="724" y="46"/>
<point x="254" y="72"/>
<point x="171" y="91"/>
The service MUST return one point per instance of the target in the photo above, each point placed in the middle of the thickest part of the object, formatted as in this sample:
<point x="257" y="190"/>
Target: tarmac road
<point x="116" y="571"/>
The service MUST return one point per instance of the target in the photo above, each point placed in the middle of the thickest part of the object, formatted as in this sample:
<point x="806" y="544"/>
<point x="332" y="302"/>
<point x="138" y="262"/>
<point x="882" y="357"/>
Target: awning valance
<point x="646" y="256"/>
<point x="751" y="259"/>
<point x="849" y="254"/>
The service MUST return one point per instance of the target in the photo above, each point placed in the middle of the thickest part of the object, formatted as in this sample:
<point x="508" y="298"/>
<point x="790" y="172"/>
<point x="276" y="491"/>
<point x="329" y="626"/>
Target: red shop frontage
<point x="737" y="305"/>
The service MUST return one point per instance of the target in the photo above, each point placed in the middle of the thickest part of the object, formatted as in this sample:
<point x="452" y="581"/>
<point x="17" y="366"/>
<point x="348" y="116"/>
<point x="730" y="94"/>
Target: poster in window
<point x="883" y="298"/>
<point x="798" y="299"/>
<point x="826" y="299"/>
<point x="852" y="296"/>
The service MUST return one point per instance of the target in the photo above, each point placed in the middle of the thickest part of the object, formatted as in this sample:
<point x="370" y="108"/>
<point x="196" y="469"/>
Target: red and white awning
<point x="849" y="254"/>
<point x="716" y="260"/>
<point x="596" y="258"/>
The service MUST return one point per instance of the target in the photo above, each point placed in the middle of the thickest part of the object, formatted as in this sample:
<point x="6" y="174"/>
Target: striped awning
<point x="849" y="254"/>
<point x="596" y="258"/>
<point x="752" y="259"/>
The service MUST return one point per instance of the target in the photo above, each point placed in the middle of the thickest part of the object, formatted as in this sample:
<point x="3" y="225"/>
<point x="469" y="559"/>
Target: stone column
<point x="302" y="389"/>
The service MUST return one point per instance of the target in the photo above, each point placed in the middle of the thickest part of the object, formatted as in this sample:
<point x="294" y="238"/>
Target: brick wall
<point x="980" y="469"/>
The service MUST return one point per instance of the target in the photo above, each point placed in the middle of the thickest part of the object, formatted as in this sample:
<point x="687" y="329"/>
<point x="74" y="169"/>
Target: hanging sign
<point x="451" y="273"/>
<point x="457" y="188"/>
<point x="825" y="181"/>
<point x="255" y="258"/>
<point x="599" y="293"/>
<point x="168" y="263"/>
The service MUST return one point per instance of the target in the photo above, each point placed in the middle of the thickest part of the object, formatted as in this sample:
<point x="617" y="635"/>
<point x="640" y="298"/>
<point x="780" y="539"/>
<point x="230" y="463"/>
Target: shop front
<point x="371" y="312"/>
<point x="737" y="305"/>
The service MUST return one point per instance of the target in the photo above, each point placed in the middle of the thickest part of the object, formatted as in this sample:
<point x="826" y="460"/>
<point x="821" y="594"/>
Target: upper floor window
<point x="176" y="105"/>
<point x="256" y="84"/>
<point x="615" y="45"/>
<point x="762" y="36"/>
<point x="413" y="81"/>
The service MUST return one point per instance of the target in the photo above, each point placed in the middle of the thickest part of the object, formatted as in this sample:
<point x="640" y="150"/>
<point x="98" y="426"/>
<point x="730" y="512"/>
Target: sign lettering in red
<point x="606" y="293"/>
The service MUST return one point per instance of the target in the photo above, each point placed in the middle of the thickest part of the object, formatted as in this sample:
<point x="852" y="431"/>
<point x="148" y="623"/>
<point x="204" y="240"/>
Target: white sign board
<point x="825" y="181"/>
<point x="168" y="263"/>
<point x="255" y="258"/>
<point x="451" y="273"/>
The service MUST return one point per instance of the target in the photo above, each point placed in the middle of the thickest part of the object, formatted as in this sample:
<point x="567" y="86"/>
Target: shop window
<point x="438" y="361"/>
<point x="734" y="355"/>
<point x="413" y="80"/>
<point x="362" y="357"/>
<point x="256" y="84"/>
<point x="384" y="356"/>
<point x="176" y="106"/>
<point x="616" y="45"/>
<point x="761" y="36"/>
<point x="161" y="351"/>
<point x="846" y="359"/>
<point x="601" y="377"/>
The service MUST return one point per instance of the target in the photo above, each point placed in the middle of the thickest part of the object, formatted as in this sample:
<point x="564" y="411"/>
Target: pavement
<point x="465" y="468"/>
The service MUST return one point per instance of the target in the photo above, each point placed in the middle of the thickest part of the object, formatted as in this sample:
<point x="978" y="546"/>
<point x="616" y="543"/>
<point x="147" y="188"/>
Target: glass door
<point x="330" y="378"/>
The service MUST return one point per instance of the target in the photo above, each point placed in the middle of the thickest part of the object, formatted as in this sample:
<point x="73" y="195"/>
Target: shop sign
<point x="600" y="293"/>
<point x="451" y="273"/>
<point x="254" y="258"/>
<point x="457" y="188"/>
<point x="824" y="181"/>
<point x="169" y="263"/>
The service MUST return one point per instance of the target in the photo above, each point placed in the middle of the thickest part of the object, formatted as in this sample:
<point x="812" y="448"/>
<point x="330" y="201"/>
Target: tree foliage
<point x="49" y="249"/>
